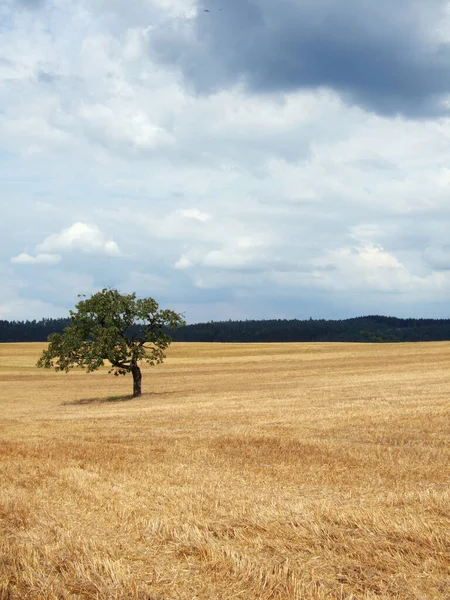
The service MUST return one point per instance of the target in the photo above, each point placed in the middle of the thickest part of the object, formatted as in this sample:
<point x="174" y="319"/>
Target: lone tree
<point x="112" y="327"/>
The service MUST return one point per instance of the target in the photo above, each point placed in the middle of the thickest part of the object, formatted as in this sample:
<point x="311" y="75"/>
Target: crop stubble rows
<point x="270" y="471"/>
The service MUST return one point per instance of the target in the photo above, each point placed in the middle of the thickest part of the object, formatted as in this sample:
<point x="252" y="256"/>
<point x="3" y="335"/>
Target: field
<point x="252" y="472"/>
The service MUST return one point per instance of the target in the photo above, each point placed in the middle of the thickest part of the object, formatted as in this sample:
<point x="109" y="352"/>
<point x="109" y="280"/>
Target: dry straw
<point x="252" y="472"/>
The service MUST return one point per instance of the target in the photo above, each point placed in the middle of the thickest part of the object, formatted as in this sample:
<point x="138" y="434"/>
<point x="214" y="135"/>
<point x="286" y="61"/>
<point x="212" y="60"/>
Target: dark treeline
<point x="360" y="329"/>
<point x="30" y="331"/>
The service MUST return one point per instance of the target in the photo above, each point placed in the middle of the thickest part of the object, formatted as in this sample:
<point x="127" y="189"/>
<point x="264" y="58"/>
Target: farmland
<point x="253" y="472"/>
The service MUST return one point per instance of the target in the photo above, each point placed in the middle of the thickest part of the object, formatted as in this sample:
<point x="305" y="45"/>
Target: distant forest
<point x="359" y="329"/>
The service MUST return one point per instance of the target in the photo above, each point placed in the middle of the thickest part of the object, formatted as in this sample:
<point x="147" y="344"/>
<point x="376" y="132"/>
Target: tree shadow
<point x="112" y="399"/>
<point x="107" y="400"/>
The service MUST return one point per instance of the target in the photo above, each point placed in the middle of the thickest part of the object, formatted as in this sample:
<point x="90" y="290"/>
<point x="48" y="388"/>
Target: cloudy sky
<point x="230" y="158"/>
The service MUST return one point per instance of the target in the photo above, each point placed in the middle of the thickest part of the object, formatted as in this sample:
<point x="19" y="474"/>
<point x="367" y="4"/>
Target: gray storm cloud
<point x="384" y="56"/>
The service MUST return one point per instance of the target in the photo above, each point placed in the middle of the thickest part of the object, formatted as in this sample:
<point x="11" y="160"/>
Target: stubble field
<point x="252" y="472"/>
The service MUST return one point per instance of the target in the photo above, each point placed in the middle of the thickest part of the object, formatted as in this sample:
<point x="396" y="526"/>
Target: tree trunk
<point x="137" y="381"/>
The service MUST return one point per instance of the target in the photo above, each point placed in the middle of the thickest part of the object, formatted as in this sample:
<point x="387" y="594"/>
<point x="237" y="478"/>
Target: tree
<point x="112" y="327"/>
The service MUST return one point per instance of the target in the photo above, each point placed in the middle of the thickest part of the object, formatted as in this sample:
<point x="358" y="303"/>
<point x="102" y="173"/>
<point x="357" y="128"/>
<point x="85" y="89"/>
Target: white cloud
<point x="183" y="262"/>
<point x="243" y="252"/>
<point x="194" y="213"/>
<point x="79" y="237"/>
<point x="39" y="259"/>
<point x="236" y="253"/>
<point x="370" y="268"/>
<point x="118" y="127"/>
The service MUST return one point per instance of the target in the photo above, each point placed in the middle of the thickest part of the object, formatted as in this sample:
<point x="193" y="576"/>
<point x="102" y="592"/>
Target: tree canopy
<point x="115" y="328"/>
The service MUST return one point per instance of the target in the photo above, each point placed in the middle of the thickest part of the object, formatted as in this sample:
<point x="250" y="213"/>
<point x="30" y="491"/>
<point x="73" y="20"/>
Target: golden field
<point x="253" y="472"/>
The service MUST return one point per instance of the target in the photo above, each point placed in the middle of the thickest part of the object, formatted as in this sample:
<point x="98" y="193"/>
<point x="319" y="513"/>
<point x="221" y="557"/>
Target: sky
<point x="233" y="159"/>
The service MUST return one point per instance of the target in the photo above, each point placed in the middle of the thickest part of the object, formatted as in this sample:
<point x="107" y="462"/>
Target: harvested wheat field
<point x="272" y="471"/>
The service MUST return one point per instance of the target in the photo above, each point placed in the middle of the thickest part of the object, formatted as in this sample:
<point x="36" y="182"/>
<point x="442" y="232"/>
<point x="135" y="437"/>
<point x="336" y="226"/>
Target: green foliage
<point x="112" y="327"/>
